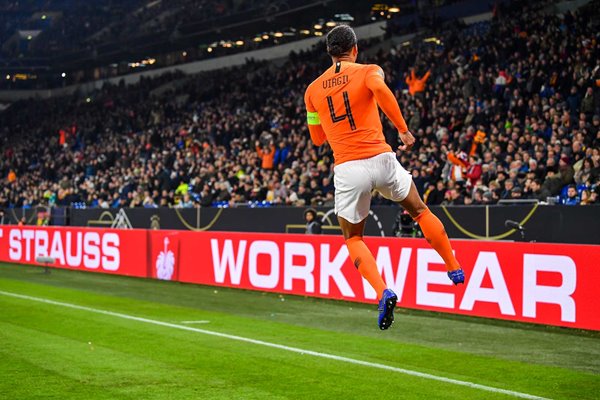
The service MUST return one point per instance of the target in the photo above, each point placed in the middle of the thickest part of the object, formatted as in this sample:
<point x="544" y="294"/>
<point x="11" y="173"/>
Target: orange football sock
<point x="364" y="261"/>
<point x="434" y="232"/>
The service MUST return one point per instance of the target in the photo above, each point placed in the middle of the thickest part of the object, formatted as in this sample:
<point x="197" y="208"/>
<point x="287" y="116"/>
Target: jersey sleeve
<point x="312" y="117"/>
<point x="374" y="80"/>
<point x="374" y="72"/>
<point x="317" y="134"/>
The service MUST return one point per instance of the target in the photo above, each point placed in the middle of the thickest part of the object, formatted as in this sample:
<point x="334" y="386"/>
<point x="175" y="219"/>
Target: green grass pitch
<point x="55" y="351"/>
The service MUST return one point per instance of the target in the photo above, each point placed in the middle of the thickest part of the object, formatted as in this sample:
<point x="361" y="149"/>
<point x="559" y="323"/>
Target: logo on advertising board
<point x="97" y="250"/>
<point x="165" y="263"/>
<point x="164" y="257"/>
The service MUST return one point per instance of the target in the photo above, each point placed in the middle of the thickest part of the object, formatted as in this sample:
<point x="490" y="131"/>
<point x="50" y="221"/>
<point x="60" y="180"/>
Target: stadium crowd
<point x="68" y="26"/>
<point x="507" y="109"/>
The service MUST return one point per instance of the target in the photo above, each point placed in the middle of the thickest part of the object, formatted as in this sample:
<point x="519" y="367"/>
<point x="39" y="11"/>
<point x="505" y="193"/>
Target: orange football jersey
<point x="347" y="111"/>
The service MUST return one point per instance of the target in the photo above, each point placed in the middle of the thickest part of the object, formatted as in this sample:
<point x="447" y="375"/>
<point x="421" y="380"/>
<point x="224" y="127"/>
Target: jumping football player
<point x="342" y="109"/>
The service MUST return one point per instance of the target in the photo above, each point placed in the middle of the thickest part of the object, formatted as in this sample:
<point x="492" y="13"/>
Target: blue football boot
<point x="386" y="309"/>
<point x="457" y="276"/>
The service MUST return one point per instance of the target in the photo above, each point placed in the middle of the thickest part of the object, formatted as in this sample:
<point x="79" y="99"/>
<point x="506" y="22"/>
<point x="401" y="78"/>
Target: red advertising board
<point x="110" y="251"/>
<point x="532" y="282"/>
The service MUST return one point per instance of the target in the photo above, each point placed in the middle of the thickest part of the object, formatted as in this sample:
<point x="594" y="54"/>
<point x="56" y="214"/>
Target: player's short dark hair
<point x="340" y="40"/>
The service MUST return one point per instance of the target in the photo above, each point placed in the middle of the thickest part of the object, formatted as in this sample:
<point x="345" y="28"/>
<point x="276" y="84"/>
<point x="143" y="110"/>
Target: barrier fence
<point x="551" y="224"/>
<point x="530" y="282"/>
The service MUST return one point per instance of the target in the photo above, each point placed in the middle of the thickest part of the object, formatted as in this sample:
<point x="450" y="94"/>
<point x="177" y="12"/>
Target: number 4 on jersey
<point x="338" y="118"/>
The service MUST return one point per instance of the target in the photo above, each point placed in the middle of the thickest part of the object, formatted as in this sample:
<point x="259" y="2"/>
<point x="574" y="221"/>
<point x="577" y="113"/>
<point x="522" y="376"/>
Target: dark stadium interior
<point x="527" y="78"/>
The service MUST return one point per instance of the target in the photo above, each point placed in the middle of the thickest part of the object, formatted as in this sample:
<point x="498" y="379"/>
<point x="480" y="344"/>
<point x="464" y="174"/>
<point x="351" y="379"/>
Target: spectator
<point x="572" y="198"/>
<point x="586" y="173"/>
<point x="474" y="170"/>
<point x="267" y="155"/>
<point x="586" y="197"/>
<point x="509" y="186"/>
<point x="282" y="154"/>
<point x="566" y="170"/>
<point x="313" y="225"/>
<point x="437" y="195"/>
<point x="186" y="202"/>
<point x="553" y="183"/>
<point x="516" y="193"/>
<point x="416" y="85"/>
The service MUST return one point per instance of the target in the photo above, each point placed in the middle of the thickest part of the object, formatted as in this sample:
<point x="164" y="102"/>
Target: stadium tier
<point x="504" y="109"/>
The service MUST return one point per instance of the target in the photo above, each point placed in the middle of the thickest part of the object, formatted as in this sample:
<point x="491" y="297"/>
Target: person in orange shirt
<point x="266" y="154"/>
<point x="416" y="85"/>
<point x="342" y="109"/>
<point x="12" y="176"/>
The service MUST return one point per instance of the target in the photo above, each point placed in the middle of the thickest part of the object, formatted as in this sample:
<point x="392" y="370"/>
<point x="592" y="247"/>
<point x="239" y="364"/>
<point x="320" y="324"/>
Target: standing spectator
<point x="566" y="170"/>
<point x="266" y="154"/>
<point x="416" y="85"/>
<point x="313" y="225"/>
<point x="282" y="153"/>
<point x="588" y="102"/>
<point x="12" y="176"/>
<point x="474" y="170"/>
<point x="552" y="183"/>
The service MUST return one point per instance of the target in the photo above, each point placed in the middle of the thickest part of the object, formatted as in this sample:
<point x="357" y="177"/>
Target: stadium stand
<point x="66" y="25"/>
<point x="510" y="110"/>
<point x="53" y="43"/>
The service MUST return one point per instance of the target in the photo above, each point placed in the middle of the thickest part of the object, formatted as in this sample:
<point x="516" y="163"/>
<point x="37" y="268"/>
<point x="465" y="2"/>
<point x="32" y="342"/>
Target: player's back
<point x="348" y="111"/>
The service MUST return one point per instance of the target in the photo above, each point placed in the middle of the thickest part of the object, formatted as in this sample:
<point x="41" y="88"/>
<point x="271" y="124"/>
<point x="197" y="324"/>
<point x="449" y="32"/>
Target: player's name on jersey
<point x="335" y="81"/>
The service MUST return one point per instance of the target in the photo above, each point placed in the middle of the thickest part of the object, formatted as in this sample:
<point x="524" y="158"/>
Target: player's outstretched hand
<point x="408" y="141"/>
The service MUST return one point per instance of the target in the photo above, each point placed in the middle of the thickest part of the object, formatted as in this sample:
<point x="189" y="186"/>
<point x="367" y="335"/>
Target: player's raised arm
<point x="317" y="134"/>
<point x="387" y="102"/>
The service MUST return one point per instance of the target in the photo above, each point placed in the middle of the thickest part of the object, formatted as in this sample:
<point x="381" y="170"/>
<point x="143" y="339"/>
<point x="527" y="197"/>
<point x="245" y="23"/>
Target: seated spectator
<point x="572" y="198"/>
<point x="436" y="195"/>
<point x="186" y="202"/>
<point x="586" y="197"/>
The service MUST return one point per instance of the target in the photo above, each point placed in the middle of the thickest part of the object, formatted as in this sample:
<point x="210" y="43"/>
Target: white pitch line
<point x="195" y="322"/>
<point x="282" y="347"/>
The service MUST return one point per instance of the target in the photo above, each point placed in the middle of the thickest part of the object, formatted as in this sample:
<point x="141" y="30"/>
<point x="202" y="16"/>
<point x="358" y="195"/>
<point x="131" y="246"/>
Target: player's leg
<point x="364" y="261"/>
<point x="395" y="183"/>
<point x="434" y="232"/>
<point x="353" y="185"/>
<point x="361" y="256"/>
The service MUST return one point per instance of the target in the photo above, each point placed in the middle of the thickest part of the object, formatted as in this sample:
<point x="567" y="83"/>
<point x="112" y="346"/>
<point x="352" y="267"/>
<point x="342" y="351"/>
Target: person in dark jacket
<point x="436" y="196"/>
<point x="313" y="225"/>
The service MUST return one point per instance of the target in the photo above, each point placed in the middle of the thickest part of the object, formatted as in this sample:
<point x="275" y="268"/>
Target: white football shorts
<point x="355" y="180"/>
